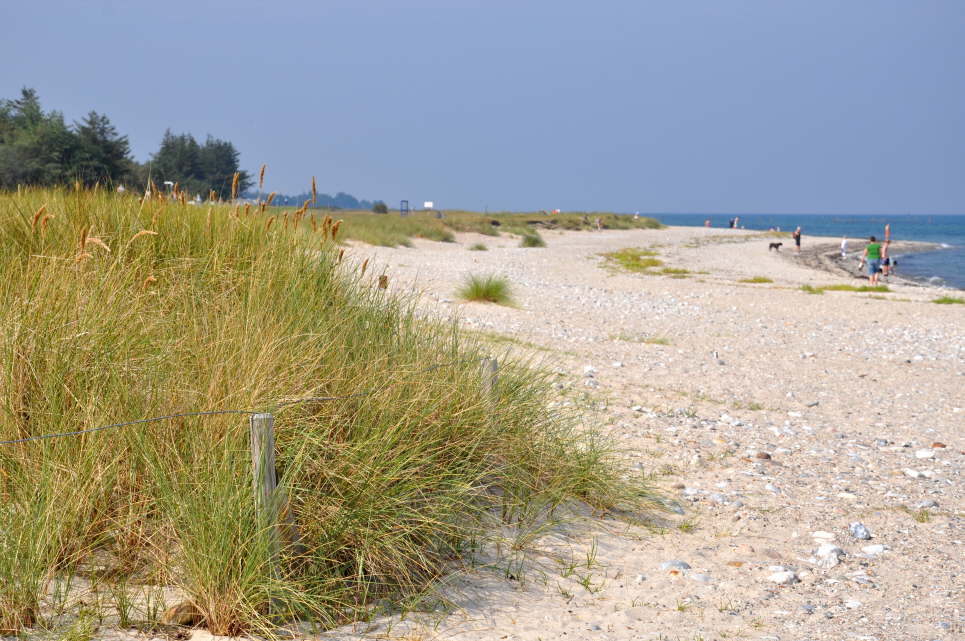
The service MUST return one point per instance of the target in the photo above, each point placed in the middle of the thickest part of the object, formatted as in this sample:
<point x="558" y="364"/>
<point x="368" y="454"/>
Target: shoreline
<point x="826" y="257"/>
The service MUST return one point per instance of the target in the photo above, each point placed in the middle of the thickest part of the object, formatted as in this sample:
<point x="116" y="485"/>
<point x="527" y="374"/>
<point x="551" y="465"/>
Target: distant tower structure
<point x="404" y="208"/>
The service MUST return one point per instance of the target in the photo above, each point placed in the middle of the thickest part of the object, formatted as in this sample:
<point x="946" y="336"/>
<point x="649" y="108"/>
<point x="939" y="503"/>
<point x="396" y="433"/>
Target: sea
<point x="943" y="267"/>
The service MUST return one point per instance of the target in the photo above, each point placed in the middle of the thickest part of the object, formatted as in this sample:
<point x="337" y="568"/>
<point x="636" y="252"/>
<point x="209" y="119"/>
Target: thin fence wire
<point x="276" y="405"/>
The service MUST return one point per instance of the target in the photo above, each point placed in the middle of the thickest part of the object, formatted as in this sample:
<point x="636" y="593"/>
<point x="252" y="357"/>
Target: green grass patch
<point x="532" y="239"/>
<point x="757" y="279"/>
<point x="633" y="260"/>
<point x="675" y="271"/>
<point x="116" y="309"/>
<point x="949" y="300"/>
<point x="478" y="247"/>
<point x="486" y="289"/>
<point x="811" y="290"/>
<point x="880" y="289"/>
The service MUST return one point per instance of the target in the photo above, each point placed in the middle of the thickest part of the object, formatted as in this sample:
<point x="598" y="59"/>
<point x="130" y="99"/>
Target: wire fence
<point x="247" y="412"/>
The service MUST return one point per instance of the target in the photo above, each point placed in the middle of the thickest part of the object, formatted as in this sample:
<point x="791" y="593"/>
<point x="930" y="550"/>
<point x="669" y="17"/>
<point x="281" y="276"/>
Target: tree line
<point x="40" y="148"/>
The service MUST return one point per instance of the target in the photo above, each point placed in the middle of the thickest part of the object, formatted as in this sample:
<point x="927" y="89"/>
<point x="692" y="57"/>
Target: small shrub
<point x="380" y="208"/>
<point x="675" y="271"/>
<point x="478" y="247"/>
<point x="948" y="300"/>
<point x="757" y="279"/>
<point x="486" y="289"/>
<point x="532" y="239"/>
<point x="811" y="290"/>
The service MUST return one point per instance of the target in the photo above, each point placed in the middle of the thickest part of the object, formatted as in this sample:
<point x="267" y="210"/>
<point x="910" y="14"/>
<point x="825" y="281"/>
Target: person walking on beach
<point x="797" y="239"/>
<point x="885" y="259"/>
<point x="872" y="255"/>
<point x="844" y="247"/>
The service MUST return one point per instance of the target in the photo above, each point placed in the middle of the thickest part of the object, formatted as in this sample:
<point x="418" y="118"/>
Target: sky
<point x="751" y="106"/>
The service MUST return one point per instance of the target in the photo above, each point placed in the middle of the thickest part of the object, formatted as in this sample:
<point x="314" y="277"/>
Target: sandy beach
<point x="811" y="445"/>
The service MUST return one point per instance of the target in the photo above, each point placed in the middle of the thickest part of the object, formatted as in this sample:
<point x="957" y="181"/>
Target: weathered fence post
<point x="264" y="483"/>
<point x="489" y="376"/>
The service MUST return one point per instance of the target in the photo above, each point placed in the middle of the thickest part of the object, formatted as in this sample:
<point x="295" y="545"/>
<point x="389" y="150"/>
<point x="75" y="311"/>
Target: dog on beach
<point x="775" y="246"/>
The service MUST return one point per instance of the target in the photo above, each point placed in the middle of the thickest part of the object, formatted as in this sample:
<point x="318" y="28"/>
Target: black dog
<point x="774" y="246"/>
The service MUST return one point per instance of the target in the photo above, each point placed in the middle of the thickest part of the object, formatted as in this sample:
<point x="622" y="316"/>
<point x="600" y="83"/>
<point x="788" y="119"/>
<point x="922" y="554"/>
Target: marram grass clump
<point x="114" y="308"/>
<point x="486" y="289"/>
<point x="532" y="239"/>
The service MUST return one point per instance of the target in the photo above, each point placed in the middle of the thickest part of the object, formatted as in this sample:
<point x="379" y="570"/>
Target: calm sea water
<point x="945" y="266"/>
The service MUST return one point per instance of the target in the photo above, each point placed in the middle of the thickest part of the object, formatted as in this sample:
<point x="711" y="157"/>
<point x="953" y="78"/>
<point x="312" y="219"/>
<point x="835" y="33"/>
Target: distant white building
<point x="429" y="204"/>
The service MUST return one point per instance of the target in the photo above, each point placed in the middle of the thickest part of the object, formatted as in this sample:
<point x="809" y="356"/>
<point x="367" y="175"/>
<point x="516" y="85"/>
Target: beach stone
<point x="763" y="455"/>
<point x="674" y="564"/>
<point x="829" y="555"/>
<point x="808" y="608"/>
<point x="852" y="604"/>
<point x="821" y="535"/>
<point x="873" y="550"/>
<point x="616" y="364"/>
<point x="589" y="371"/>
<point x="924" y="454"/>
<point x="701" y="578"/>
<point x="859" y="531"/>
<point x="924" y="505"/>
<point x="938" y="445"/>
<point x="784" y="577"/>
<point x="913" y="474"/>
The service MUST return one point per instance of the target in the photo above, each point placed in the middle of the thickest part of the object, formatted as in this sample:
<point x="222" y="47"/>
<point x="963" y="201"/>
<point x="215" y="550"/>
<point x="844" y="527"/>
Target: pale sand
<point x="811" y="380"/>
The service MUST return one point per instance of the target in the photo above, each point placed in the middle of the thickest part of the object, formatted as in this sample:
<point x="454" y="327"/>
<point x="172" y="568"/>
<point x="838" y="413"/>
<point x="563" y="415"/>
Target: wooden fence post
<point x="489" y="376"/>
<point x="264" y="482"/>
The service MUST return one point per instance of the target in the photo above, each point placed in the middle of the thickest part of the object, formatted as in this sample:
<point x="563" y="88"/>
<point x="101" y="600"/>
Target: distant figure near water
<point x="707" y="223"/>
<point x="872" y="254"/>
<point x="844" y="247"/>
<point x="797" y="239"/>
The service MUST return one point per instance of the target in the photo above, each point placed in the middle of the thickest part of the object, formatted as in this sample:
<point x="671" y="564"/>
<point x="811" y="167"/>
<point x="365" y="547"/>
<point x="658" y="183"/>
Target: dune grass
<point x="486" y="289"/>
<point x="949" y="300"/>
<point x="532" y="239"/>
<point x="114" y="309"/>
<point x="392" y="230"/>
<point x="756" y="279"/>
<point x="478" y="247"/>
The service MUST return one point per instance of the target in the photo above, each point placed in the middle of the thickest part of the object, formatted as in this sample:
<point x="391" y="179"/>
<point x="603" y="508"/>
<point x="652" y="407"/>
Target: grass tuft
<point x="478" y="247"/>
<point x="532" y="239"/>
<point x="486" y="289"/>
<point x="757" y="279"/>
<point x="949" y="300"/>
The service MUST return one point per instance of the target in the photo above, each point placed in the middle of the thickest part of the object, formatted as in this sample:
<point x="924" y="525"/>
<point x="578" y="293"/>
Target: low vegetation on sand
<point x="642" y="261"/>
<point x="881" y="289"/>
<point x="949" y="300"/>
<point x="115" y="309"/>
<point x="486" y="289"/>
<point x="392" y="230"/>
<point x="532" y="239"/>
<point x="478" y="247"/>
<point x="757" y="279"/>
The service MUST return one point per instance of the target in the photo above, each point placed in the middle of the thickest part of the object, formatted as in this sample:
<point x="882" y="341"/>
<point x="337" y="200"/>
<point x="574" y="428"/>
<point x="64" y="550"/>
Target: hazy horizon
<point x="701" y="107"/>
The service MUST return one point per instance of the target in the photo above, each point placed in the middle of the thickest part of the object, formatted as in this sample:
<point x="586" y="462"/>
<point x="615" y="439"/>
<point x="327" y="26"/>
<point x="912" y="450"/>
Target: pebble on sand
<point x="859" y="531"/>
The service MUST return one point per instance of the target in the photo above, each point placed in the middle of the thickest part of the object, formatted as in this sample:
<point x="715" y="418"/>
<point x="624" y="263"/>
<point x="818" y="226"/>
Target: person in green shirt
<point x="872" y="255"/>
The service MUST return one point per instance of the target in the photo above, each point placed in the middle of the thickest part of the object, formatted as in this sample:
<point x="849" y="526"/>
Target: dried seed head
<point x="100" y="243"/>
<point x="83" y="237"/>
<point x="234" y="185"/>
<point x="383" y="282"/>
<point x="81" y="257"/>
<point x="44" y="220"/>
<point x="335" y="229"/>
<point x="314" y="191"/>
<point x="365" y="265"/>
<point x="271" y="197"/>
<point x="261" y="177"/>
<point x="146" y="232"/>
<point x="40" y="212"/>
<point x="147" y="282"/>
<point x="341" y="255"/>
<point x="271" y="219"/>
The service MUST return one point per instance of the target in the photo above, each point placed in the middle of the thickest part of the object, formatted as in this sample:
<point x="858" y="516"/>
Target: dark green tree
<point x="218" y="164"/>
<point x="102" y="154"/>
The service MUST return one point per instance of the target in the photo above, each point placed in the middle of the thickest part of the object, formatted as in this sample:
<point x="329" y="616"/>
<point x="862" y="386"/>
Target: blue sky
<point x="814" y="106"/>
